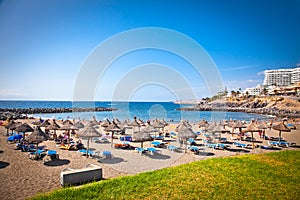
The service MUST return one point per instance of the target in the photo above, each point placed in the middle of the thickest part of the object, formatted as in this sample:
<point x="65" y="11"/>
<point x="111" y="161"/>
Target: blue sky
<point x="43" y="44"/>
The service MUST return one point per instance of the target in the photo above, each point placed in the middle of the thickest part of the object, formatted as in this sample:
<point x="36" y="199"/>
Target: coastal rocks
<point x="258" y="107"/>
<point x="20" y="113"/>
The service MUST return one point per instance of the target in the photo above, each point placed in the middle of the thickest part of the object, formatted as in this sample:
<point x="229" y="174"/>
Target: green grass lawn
<point x="273" y="175"/>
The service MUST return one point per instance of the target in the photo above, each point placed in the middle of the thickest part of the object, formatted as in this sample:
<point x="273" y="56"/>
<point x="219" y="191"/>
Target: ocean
<point x="127" y="110"/>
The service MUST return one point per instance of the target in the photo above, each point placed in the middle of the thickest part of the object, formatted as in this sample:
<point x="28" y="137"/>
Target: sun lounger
<point x="278" y="143"/>
<point x="107" y="154"/>
<point x="36" y="154"/>
<point x="158" y="144"/>
<point x="140" y="150"/>
<point x="191" y="141"/>
<point x="195" y="149"/>
<point x="242" y="145"/>
<point x="152" y="150"/>
<point x="90" y="153"/>
<point x="172" y="147"/>
<point x="223" y="139"/>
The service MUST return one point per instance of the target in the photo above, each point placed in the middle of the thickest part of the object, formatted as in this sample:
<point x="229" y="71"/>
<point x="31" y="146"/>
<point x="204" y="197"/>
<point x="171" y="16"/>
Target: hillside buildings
<point x="282" y="77"/>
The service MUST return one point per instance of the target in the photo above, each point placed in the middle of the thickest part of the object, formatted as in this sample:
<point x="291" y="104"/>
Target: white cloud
<point x="239" y="68"/>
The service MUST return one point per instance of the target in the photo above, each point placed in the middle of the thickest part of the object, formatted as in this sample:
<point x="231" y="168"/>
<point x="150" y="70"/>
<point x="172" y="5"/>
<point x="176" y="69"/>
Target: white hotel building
<point x="282" y="77"/>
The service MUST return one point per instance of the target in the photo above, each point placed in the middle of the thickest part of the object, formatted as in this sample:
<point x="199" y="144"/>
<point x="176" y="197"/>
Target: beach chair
<point x="172" y="148"/>
<point x="223" y="140"/>
<point x="140" y="150"/>
<point x="51" y="155"/>
<point x="36" y="154"/>
<point x="107" y="154"/>
<point x="242" y="145"/>
<point x="195" y="149"/>
<point x="89" y="152"/>
<point x="152" y="150"/>
<point x="191" y="141"/>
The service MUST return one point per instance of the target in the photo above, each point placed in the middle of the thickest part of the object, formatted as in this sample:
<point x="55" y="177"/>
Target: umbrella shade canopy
<point x="281" y="127"/>
<point x="150" y="129"/>
<point x="124" y="125"/>
<point x="106" y="123"/>
<point x="53" y="126"/>
<point x="89" y="131"/>
<point x="15" y="125"/>
<point x="141" y="136"/>
<point x="79" y="124"/>
<point x="185" y="134"/>
<point x="135" y="123"/>
<point x="252" y="128"/>
<point x="24" y="128"/>
<point x="238" y="124"/>
<point x="219" y="129"/>
<point x="38" y="122"/>
<point x="157" y="124"/>
<point x="113" y="128"/>
<point x="12" y="122"/>
<point x="263" y="125"/>
<point x="203" y="123"/>
<point x="164" y="122"/>
<point x="68" y="127"/>
<point x="37" y="136"/>
<point x="45" y="123"/>
<point x="67" y="122"/>
<point x="211" y="126"/>
<point x="117" y="121"/>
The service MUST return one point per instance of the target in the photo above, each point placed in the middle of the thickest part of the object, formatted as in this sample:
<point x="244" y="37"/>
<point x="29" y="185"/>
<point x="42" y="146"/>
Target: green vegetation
<point x="273" y="175"/>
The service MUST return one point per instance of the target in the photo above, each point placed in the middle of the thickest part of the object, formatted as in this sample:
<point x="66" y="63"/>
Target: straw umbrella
<point x="135" y="124"/>
<point x="9" y="125"/>
<point x="45" y="123"/>
<point x="24" y="128"/>
<point x="67" y="122"/>
<point x="142" y="137"/>
<point x="88" y="132"/>
<point x="79" y="124"/>
<point x="184" y="134"/>
<point x="252" y="128"/>
<point x="112" y="128"/>
<point x="37" y="137"/>
<point x="38" y="122"/>
<point x="158" y="124"/>
<point x="239" y="125"/>
<point x="53" y="126"/>
<point x="281" y="127"/>
<point x="263" y="126"/>
<point x="14" y="126"/>
<point x="106" y="123"/>
<point x="150" y="129"/>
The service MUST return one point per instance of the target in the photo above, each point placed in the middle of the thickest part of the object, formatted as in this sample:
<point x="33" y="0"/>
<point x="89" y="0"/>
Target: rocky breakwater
<point x="258" y="107"/>
<point x="20" y="113"/>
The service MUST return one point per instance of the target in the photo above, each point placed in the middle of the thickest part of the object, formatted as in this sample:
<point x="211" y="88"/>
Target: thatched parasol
<point x="239" y="125"/>
<point x="263" y="126"/>
<point x="203" y="123"/>
<point x="45" y="123"/>
<point x="88" y="132"/>
<point x="135" y="124"/>
<point x="142" y="137"/>
<point x="182" y="125"/>
<point x="281" y="127"/>
<point x="38" y="122"/>
<point x="184" y="134"/>
<point x="37" y="137"/>
<point x="112" y="128"/>
<point x="24" y="128"/>
<point x="53" y="126"/>
<point x="106" y="123"/>
<point x="117" y="121"/>
<point x="252" y="128"/>
<point x="79" y="124"/>
<point x="67" y="122"/>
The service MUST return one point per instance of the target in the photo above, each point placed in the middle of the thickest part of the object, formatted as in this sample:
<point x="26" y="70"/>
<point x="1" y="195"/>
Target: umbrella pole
<point x="279" y="136"/>
<point x="112" y="138"/>
<point x="141" y="144"/>
<point x="252" y="140"/>
<point x="87" y="151"/>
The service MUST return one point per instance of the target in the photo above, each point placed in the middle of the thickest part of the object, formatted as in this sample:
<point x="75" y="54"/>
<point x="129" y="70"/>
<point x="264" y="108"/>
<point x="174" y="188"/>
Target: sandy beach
<point x="23" y="177"/>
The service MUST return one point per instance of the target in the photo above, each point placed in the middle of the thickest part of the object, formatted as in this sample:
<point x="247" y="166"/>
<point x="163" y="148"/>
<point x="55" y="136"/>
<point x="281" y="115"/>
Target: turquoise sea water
<point x="127" y="110"/>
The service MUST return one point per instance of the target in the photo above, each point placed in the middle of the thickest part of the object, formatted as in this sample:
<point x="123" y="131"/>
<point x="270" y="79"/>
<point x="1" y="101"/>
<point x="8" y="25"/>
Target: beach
<point x="23" y="177"/>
